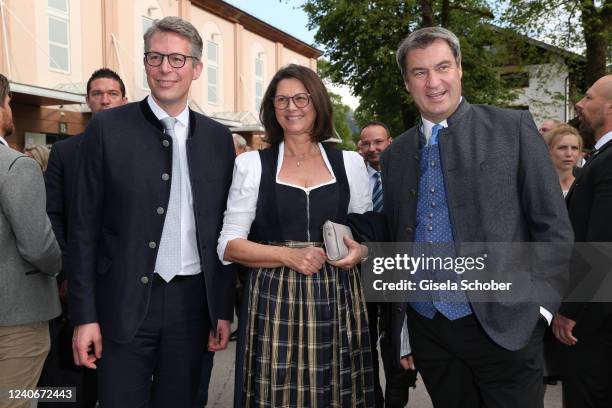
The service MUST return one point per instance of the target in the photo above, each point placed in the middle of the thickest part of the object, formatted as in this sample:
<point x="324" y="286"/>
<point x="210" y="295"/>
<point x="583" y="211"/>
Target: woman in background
<point x="39" y="153"/>
<point x="565" y="145"/>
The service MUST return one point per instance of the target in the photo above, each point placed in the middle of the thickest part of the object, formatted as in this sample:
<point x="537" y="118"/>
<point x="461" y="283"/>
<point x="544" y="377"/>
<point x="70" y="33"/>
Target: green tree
<point x="340" y="116"/>
<point x="341" y="112"/>
<point x="361" y="37"/>
<point x="577" y="24"/>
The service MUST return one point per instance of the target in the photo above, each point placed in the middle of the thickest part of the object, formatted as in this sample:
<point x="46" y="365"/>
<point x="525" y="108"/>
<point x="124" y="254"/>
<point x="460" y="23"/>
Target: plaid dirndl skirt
<point x="306" y="340"/>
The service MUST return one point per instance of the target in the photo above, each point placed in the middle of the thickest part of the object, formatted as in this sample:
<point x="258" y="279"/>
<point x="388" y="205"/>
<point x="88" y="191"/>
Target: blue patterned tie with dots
<point x="434" y="235"/>
<point x="168" y="262"/>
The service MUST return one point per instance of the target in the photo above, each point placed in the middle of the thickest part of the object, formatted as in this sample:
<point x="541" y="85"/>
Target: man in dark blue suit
<point x="105" y="90"/>
<point x="147" y="291"/>
<point x="585" y="328"/>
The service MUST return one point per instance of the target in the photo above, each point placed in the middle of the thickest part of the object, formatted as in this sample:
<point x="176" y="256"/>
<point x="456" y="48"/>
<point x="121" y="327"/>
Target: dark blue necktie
<point x="377" y="194"/>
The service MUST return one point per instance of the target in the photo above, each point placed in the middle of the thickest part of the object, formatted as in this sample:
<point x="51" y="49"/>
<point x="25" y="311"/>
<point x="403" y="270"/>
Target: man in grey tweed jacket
<point x="29" y="260"/>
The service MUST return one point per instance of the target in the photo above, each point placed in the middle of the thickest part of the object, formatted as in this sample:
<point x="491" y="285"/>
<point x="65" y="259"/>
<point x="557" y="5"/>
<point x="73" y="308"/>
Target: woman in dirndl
<point x="303" y="338"/>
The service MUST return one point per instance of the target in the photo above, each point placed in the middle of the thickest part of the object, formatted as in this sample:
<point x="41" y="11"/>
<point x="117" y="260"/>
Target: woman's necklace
<point x="301" y="157"/>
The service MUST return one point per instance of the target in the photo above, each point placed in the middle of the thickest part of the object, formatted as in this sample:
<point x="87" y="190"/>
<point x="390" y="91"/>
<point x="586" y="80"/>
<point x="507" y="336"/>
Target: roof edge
<point x="257" y="26"/>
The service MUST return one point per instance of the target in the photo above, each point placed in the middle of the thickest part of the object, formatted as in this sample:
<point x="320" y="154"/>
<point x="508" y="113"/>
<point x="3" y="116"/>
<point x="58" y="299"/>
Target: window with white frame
<point x="259" y="81"/>
<point x="146" y="23"/>
<point x="59" y="34"/>
<point x="212" y="56"/>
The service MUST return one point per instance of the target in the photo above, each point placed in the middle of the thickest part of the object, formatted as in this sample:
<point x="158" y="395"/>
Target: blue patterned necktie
<point x="377" y="194"/>
<point x="433" y="140"/>
<point x="434" y="226"/>
<point x="168" y="262"/>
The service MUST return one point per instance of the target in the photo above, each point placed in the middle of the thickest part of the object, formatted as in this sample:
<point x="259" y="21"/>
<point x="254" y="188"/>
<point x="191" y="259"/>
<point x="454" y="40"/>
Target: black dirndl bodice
<point x="286" y="213"/>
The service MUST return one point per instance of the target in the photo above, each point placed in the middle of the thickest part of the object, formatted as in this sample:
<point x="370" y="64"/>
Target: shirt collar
<point x="603" y="140"/>
<point x="3" y="141"/>
<point x="371" y="170"/>
<point x="182" y="118"/>
<point x="428" y="126"/>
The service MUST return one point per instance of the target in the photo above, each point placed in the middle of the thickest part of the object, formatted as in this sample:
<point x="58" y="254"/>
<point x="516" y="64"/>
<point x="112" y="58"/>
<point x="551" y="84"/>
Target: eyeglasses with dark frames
<point x="300" y="100"/>
<point x="176" y="60"/>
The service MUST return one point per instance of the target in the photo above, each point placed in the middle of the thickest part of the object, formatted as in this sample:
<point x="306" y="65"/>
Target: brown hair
<point x="322" y="128"/>
<point x="559" y="131"/>
<point x="4" y="89"/>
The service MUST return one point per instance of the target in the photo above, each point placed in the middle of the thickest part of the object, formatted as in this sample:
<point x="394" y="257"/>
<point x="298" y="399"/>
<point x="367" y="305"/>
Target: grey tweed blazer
<point x="501" y="188"/>
<point x="29" y="254"/>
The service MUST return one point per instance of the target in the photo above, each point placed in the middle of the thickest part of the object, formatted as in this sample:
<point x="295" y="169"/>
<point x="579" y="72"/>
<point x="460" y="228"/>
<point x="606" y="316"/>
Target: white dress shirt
<point x="372" y="176"/>
<point x="189" y="251"/>
<point x="428" y="127"/>
<point x="243" y="194"/>
<point x="603" y="140"/>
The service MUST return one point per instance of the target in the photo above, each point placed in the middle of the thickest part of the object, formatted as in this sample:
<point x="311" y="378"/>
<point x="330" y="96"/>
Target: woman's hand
<point x="356" y="253"/>
<point x="304" y="260"/>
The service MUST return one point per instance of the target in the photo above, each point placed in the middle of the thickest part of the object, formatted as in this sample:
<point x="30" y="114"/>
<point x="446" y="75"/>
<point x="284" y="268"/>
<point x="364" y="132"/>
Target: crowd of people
<point x="130" y="243"/>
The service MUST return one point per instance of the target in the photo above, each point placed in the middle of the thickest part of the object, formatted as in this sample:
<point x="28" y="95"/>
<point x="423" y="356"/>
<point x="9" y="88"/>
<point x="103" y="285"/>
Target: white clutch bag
<point x="333" y="234"/>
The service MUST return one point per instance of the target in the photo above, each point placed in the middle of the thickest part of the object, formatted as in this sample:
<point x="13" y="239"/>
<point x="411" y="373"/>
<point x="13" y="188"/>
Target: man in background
<point x="548" y="124"/>
<point x="105" y="90"/>
<point x="585" y="328"/>
<point x="240" y="144"/>
<point x="374" y="138"/>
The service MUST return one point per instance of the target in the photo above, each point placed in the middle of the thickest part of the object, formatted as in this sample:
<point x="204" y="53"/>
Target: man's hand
<point x="218" y="339"/>
<point x="85" y="338"/>
<point x="562" y="328"/>
<point x="407" y="363"/>
<point x="356" y="252"/>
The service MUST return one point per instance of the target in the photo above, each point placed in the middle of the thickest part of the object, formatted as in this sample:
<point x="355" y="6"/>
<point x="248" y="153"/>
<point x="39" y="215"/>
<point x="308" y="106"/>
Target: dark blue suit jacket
<point x="59" y="180"/>
<point x="589" y="203"/>
<point x="115" y="225"/>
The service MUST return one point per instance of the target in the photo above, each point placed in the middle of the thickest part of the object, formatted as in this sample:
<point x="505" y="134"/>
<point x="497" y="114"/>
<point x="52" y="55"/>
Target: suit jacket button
<point x="165" y="177"/>
<point x="160" y="210"/>
<point x="152" y="245"/>
<point x="165" y="143"/>
<point x="409" y="230"/>
<point x="144" y="280"/>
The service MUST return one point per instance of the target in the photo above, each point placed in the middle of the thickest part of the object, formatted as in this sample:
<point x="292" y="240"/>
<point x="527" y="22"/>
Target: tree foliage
<point x="341" y="112"/>
<point x="362" y="36"/>
<point x="570" y="24"/>
<point x="340" y="117"/>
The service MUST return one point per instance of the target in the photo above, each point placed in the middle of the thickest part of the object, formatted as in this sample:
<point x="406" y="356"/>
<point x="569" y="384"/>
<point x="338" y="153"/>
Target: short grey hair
<point x="240" y="141"/>
<point x="172" y="24"/>
<point x="424" y="37"/>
